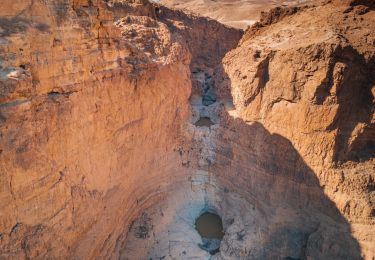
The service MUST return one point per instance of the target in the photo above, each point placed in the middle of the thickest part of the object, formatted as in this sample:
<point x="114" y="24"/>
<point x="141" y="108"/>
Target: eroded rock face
<point x="89" y="111"/>
<point x="102" y="155"/>
<point x="309" y="78"/>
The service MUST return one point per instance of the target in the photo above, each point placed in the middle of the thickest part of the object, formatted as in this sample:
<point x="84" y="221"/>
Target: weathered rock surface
<point x="309" y="77"/>
<point x="120" y="123"/>
<point x="236" y="13"/>
<point x="89" y="115"/>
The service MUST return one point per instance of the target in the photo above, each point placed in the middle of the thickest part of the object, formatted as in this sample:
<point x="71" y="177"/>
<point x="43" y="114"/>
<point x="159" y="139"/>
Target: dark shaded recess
<point x="208" y="99"/>
<point x="371" y="185"/>
<point x="355" y="101"/>
<point x="84" y="17"/>
<point x="214" y="252"/>
<point x="42" y="27"/>
<point x="210" y="245"/>
<point x="6" y="90"/>
<point x="272" y="154"/>
<point x="208" y="95"/>
<point x="363" y="148"/>
<point x="204" y="121"/>
<point x="13" y="25"/>
<point x="122" y="8"/>
<point x="198" y="34"/>
<point x="141" y="227"/>
<point x="204" y="39"/>
<point x="197" y="40"/>
<point x="210" y="225"/>
<point x="263" y="77"/>
<point x="55" y="94"/>
<point x="61" y="11"/>
<point x="210" y="228"/>
<point x="19" y="25"/>
<point x="293" y="238"/>
<point x="368" y="3"/>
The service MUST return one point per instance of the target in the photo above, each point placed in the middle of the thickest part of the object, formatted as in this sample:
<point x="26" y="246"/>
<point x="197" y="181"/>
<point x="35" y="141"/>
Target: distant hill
<point x="236" y="13"/>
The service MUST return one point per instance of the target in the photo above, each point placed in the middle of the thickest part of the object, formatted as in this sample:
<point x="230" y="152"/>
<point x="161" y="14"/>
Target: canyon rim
<point x="127" y="127"/>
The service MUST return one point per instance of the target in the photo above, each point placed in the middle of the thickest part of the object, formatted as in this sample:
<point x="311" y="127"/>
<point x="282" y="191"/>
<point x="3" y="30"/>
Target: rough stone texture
<point x="279" y="165"/>
<point x="89" y="115"/>
<point x="101" y="156"/>
<point x="236" y="13"/>
<point x="309" y="78"/>
<point x="93" y="97"/>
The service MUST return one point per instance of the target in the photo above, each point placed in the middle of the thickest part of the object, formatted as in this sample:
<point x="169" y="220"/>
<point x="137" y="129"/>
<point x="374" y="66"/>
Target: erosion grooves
<point x="126" y="125"/>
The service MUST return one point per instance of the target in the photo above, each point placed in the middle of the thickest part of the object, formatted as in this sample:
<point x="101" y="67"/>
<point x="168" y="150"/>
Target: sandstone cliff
<point x="307" y="74"/>
<point x="89" y="112"/>
<point x="121" y="121"/>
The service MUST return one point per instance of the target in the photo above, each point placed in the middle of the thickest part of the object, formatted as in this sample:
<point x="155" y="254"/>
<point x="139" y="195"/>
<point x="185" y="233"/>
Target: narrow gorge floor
<point x="257" y="224"/>
<point x="170" y="229"/>
<point x="264" y="216"/>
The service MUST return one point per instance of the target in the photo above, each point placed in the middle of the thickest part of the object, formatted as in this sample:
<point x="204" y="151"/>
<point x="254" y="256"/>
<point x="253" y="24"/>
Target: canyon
<point x="126" y="126"/>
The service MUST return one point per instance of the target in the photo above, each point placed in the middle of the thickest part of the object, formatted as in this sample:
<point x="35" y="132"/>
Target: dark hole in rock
<point x="209" y="225"/>
<point x="210" y="228"/>
<point x="204" y="121"/>
<point x="208" y="99"/>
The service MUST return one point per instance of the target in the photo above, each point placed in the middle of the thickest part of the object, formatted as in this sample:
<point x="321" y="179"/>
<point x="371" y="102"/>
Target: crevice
<point x="263" y="77"/>
<point x="280" y="99"/>
<point x="56" y="94"/>
<point x="14" y="103"/>
<point x="15" y="228"/>
<point x="204" y="122"/>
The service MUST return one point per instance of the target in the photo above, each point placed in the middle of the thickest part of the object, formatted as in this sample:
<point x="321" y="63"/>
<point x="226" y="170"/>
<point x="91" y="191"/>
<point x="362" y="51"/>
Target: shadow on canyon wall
<point x="275" y="174"/>
<point x="207" y="40"/>
<point x="355" y="104"/>
<point x="267" y="165"/>
<point x="10" y="26"/>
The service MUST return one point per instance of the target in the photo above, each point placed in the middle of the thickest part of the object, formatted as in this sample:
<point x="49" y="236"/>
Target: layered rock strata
<point x="123" y="121"/>
<point x="89" y="122"/>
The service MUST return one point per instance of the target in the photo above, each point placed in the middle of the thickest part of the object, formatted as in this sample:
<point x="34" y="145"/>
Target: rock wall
<point x="265" y="154"/>
<point x="307" y="75"/>
<point x="121" y="122"/>
<point x="93" y="97"/>
<point x="89" y="121"/>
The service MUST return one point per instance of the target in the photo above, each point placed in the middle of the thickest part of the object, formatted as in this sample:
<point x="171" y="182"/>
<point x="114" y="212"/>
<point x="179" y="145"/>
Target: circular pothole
<point x="210" y="228"/>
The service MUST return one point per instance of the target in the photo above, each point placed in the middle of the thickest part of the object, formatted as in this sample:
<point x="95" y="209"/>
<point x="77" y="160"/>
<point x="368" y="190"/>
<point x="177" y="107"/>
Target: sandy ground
<point x="235" y="13"/>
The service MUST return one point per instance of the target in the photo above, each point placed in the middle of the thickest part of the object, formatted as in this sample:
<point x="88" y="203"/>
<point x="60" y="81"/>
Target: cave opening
<point x="204" y="121"/>
<point x="210" y="228"/>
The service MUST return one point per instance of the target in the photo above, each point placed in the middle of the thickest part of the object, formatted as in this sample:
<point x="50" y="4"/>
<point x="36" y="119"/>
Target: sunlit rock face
<point x="90" y="120"/>
<point x="122" y="122"/>
<point x="235" y="13"/>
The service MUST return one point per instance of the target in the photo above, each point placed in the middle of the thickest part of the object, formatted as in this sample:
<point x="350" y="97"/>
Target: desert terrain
<point x="235" y="13"/>
<point x="138" y="130"/>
